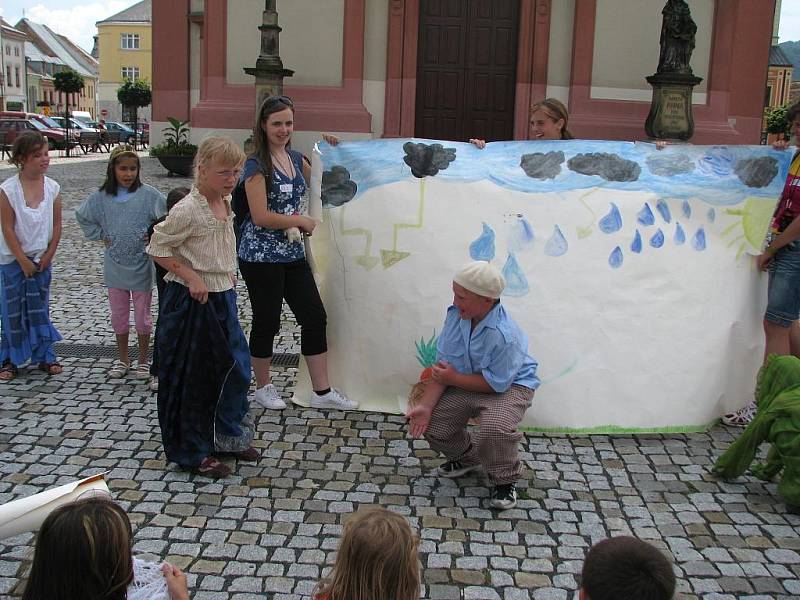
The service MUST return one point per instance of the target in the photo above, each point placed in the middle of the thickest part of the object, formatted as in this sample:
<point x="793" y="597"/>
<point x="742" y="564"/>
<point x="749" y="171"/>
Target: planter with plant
<point x="175" y="153"/>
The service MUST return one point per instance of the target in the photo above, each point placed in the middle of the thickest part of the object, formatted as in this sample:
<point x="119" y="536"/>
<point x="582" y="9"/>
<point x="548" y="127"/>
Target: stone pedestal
<point x="670" y="115"/>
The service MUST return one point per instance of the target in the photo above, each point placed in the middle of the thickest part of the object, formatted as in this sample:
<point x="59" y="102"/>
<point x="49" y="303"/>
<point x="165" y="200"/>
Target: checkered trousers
<point x="494" y="444"/>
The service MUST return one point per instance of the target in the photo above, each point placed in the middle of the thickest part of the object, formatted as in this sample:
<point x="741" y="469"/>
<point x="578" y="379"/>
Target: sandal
<point x="213" y="468"/>
<point x="8" y="371"/>
<point x="53" y="368"/>
<point x="741" y="417"/>
<point x="118" y="370"/>
<point x="142" y="371"/>
<point x="251" y="454"/>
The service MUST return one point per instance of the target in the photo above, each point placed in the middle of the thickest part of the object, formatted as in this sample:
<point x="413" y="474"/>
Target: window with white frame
<point x="16" y="50"/>
<point x="131" y="73"/>
<point x="129" y="41"/>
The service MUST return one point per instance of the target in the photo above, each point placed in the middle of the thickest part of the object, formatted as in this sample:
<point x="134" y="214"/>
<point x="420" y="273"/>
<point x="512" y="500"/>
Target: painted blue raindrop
<point x="699" y="240"/>
<point x="658" y="239"/>
<point x="522" y="236"/>
<point x="612" y="222"/>
<point x="680" y="236"/>
<point x="645" y="216"/>
<point x="557" y="244"/>
<point x="636" y="244"/>
<point x="663" y="210"/>
<point x="516" y="282"/>
<point x="712" y="215"/>
<point x="615" y="258"/>
<point x="482" y="248"/>
<point x="687" y="209"/>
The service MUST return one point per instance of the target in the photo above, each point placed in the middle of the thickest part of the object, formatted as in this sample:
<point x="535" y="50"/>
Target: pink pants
<point x="120" y="301"/>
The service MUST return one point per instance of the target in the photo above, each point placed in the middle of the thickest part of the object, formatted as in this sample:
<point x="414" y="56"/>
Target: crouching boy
<point x="483" y="371"/>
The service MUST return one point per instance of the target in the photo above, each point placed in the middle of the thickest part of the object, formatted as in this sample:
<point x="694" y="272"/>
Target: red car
<point x="11" y="128"/>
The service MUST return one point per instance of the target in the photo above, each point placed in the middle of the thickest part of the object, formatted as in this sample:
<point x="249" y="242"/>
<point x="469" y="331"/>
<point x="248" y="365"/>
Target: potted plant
<point x="175" y="153"/>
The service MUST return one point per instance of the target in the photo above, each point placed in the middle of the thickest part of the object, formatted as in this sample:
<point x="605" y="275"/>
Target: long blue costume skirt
<point x="203" y="376"/>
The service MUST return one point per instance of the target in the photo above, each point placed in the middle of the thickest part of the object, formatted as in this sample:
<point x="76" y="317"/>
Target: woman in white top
<point x="30" y="217"/>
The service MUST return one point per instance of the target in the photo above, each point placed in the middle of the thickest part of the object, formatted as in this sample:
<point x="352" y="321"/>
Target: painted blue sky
<point x="709" y="172"/>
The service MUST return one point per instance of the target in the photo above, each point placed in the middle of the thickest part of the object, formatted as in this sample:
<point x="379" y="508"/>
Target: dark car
<point x="126" y="134"/>
<point x="11" y="128"/>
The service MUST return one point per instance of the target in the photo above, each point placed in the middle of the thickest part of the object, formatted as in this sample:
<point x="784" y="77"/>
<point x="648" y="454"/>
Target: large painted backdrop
<point x="630" y="269"/>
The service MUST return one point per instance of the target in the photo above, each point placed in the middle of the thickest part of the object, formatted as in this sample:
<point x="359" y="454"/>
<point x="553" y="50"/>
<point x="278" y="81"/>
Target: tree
<point x="67" y="82"/>
<point x="134" y="94"/>
<point x="776" y="120"/>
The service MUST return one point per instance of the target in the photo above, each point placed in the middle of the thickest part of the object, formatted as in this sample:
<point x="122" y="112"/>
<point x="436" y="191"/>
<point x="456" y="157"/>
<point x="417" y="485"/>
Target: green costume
<point x="777" y="421"/>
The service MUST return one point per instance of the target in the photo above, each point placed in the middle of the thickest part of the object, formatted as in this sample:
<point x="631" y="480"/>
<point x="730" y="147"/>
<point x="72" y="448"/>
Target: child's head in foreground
<point x="30" y="148"/>
<point x="217" y="165"/>
<point x="625" y="567"/>
<point x="477" y="287"/>
<point x="377" y="560"/>
<point x="83" y="550"/>
<point x="123" y="170"/>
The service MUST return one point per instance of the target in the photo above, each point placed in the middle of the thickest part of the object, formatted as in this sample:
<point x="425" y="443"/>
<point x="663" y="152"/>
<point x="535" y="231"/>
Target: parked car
<point x="126" y="134"/>
<point x="14" y="127"/>
<point x="75" y="124"/>
<point x="46" y="121"/>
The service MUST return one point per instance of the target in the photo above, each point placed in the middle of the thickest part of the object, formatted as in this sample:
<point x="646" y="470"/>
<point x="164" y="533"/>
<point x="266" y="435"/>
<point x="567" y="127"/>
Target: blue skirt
<point x="203" y="376"/>
<point x="26" y="332"/>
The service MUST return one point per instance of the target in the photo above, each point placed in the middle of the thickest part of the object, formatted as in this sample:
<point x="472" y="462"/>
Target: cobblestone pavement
<point x="270" y="530"/>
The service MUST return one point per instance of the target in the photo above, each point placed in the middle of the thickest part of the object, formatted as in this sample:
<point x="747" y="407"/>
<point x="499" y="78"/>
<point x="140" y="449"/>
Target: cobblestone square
<point x="271" y="529"/>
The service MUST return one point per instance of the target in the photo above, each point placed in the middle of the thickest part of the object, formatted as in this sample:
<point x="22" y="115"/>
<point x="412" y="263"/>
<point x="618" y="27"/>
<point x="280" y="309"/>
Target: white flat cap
<point x="482" y="278"/>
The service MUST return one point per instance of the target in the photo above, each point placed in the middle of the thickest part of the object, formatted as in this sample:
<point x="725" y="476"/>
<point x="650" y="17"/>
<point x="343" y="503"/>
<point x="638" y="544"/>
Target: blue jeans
<point x="783" y="291"/>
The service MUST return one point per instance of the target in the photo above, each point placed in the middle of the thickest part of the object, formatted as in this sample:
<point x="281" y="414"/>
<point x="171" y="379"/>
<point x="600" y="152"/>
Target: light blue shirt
<point x="497" y="349"/>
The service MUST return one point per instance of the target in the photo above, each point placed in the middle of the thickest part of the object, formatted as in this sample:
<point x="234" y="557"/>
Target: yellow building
<point x="124" y="43"/>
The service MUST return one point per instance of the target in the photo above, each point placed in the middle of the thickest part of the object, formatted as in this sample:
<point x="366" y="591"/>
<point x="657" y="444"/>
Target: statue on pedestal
<point x="677" y="38"/>
<point x="670" y="115"/>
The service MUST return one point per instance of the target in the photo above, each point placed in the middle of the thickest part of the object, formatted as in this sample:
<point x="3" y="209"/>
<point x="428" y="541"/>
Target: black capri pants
<point x="267" y="285"/>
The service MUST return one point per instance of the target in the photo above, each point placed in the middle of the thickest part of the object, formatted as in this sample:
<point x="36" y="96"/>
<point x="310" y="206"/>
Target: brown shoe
<point x="251" y="454"/>
<point x="213" y="468"/>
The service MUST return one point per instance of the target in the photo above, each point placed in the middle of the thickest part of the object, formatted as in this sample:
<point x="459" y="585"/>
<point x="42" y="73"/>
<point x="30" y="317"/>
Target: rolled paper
<point x="28" y="514"/>
<point x="315" y="187"/>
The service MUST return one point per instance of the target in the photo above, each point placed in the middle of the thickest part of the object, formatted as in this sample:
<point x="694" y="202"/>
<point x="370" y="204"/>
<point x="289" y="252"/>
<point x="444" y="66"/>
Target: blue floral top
<point x="285" y="196"/>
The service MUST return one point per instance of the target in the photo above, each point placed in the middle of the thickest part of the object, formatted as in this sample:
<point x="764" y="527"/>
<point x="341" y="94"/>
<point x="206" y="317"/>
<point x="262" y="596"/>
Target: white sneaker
<point x="268" y="397"/>
<point x="333" y="399"/>
<point x="741" y="417"/>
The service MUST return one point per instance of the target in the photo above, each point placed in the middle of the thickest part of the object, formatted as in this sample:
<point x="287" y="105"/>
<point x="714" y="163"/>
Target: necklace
<point x="287" y="170"/>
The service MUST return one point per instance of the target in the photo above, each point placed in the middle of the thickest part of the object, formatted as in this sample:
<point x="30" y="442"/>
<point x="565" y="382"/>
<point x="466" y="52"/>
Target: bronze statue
<point x="677" y="38"/>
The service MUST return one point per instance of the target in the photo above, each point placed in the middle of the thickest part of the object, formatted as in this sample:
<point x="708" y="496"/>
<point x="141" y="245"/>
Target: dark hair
<point x="175" y="195"/>
<point x="270" y="105"/>
<point x="625" y="567"/>
<point x="793" y="112"/>
<point x="110" y="185"/>
<point x="83" y="550"/>
<point x="556" y="110"/>
<point x="25" y="144"/>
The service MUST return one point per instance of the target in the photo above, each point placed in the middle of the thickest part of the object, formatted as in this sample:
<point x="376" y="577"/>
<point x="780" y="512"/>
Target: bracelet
<point x="770" y="250"/>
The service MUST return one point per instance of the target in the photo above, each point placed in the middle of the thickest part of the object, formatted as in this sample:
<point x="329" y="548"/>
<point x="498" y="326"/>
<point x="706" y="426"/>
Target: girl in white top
<point x="30" y="218"/>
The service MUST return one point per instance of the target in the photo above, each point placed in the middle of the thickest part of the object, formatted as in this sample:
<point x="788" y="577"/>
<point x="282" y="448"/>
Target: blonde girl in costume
<point x="203" y="360"/>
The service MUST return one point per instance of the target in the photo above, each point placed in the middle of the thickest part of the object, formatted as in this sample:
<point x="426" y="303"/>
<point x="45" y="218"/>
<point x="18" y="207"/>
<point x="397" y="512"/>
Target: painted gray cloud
<point x="337" y="187"/>
<point x="756" y="172"/>
<point x="610" y="167"/>
<point x="541" y="165"/>
<point x="427" y="159"/>
<point x="667" y="165"/>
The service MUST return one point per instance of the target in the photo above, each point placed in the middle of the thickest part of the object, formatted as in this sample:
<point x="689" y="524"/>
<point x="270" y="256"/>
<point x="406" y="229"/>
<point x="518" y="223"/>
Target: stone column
<point x="269" y="71"/>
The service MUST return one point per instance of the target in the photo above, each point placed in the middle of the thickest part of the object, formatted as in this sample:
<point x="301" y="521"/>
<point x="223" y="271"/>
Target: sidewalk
<point x="270" y="530"/>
